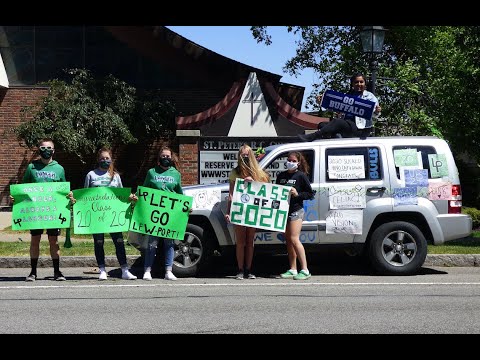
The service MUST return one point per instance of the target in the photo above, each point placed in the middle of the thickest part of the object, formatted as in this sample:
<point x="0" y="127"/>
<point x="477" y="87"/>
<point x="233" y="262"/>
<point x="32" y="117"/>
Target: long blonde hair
<point x="253" y="169"/>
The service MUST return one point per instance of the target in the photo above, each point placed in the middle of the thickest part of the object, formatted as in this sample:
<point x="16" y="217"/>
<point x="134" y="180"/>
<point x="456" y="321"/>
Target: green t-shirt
<point x="167" y="180"/>
<point x="38" y="172"/>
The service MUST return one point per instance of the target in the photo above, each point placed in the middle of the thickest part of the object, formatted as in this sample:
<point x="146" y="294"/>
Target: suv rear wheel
<point x="397" y="248"/>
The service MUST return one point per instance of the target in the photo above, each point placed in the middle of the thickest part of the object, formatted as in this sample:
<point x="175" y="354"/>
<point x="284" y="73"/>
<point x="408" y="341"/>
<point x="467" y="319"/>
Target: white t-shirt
<point x="96" y="178"/>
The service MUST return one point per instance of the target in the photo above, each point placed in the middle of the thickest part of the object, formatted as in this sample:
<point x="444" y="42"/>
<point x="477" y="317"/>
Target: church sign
<point x="219" y="155"/>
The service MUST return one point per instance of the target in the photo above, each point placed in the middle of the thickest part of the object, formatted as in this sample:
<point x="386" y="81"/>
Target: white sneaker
<point x="169" y="276"/>
<point x="103" y="275"/>
<point x="127" y="275"/>
<point x="147" y="276"/>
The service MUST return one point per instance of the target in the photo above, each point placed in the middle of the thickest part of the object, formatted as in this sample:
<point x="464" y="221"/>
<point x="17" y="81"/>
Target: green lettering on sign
<point x="256" y="204"/>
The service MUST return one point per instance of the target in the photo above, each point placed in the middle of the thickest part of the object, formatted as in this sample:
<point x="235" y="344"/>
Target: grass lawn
<point x="83" y="246"/>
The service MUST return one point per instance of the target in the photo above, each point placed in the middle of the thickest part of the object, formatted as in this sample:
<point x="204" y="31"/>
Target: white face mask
<point x="291" y="165"/>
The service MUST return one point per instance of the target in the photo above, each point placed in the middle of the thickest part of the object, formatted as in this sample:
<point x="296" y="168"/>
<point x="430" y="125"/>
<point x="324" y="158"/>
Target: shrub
<point x="475" y="214"/>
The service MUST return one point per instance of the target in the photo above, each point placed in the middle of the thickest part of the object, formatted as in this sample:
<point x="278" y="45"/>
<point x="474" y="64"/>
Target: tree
<point x="427" y="79"/>
<point x="86" y="113"/>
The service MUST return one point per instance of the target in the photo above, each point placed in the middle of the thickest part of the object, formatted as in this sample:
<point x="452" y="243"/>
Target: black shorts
<point x="51" y="232"/>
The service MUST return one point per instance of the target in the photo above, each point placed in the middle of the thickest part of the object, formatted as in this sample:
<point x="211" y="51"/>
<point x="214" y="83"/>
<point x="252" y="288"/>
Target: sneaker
<point x="103" y="275"/>
<point x="239" y="276"/>
<point x="169" y="276"/>
<point x="302" y="276"/>
<point x="31" y="277"/>
<point x="287" y="275"/>
<point x="127" y="275"/>
<point x="147" y="276"/>
<point x="58" y="276"/>
<point x="251" y="276"/>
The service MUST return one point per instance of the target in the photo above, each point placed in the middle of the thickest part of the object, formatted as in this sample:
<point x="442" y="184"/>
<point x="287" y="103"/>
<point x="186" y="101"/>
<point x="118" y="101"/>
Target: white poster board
<point x="260" y="205"/>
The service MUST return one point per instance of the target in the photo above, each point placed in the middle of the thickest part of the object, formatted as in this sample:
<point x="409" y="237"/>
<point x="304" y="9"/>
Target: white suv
<point x="382" y="197"/>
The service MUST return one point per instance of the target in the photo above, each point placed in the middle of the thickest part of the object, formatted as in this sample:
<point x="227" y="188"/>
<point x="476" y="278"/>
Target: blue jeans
<point x="151" y="251"/>
<point x="99" y="240"/>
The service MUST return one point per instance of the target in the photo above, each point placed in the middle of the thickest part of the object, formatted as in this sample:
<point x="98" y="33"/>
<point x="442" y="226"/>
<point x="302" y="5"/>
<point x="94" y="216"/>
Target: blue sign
<point x="349" y="104"/>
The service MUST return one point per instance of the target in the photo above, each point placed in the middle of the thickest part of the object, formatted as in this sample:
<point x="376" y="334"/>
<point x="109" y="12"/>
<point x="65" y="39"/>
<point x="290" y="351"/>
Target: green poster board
<point x="100" y="210"/>
<point x="161" y="213"/>
<point x="260" y="205"/>
<point x="40" y="206"/>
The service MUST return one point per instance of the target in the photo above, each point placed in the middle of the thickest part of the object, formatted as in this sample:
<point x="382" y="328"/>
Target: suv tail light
<point x="455" y="202"/>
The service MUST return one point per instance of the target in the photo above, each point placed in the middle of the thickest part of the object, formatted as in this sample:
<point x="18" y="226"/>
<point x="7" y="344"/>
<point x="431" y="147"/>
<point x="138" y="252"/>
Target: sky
<point x="237" y="43"/>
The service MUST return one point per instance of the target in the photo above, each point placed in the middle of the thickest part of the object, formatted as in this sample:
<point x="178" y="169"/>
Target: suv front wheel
<point x="193" y="254"/>
<point x="397" y="248"/>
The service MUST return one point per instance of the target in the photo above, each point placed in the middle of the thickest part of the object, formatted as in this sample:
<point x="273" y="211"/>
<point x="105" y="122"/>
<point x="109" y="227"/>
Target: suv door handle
<point x="376" y="189"/>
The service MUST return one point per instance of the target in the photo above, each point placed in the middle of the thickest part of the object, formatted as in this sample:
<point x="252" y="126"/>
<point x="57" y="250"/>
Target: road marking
<point x="245" y="284"/>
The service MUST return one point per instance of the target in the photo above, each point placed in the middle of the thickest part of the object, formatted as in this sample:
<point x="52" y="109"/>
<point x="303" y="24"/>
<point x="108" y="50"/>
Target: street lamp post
<point x="372" y="38"/>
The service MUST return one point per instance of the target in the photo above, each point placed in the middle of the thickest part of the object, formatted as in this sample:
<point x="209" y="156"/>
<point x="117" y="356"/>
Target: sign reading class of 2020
<point x="160" y="213"/>
<point x="260" y="205"/>
<point x="337" y="101"/>
<point x="101" y="210"/>
<point x="40" y="206"/>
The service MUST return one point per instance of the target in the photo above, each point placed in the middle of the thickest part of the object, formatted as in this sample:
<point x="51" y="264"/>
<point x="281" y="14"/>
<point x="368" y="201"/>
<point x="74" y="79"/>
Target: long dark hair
<point x="302" y="162"/>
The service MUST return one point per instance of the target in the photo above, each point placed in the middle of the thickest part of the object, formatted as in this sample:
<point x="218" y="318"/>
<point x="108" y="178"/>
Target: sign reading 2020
<point x="260" y="205"/>
<point x="337" y="101"/>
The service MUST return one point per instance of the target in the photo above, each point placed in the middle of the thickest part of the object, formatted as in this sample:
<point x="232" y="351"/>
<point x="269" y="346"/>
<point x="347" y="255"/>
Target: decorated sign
<point x="349" y="104"/>
<point x="40" y="206"/>
<point x="101" y="210"/>
<point x="260" y="205"/>
<point x="161" y="213"/>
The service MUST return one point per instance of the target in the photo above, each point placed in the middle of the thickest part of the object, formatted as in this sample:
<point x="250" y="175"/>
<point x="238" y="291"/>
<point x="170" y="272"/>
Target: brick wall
<point x="188" y="153"/>
<point x="15" y="156"/>
<point x="132" y="161"/>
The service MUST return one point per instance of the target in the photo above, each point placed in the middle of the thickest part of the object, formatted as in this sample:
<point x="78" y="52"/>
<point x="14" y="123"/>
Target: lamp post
<point x="372" y="38"/>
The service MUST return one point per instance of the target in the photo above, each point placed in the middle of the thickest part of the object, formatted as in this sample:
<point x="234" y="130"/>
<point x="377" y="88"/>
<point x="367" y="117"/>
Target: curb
<point x="440" y="260"/>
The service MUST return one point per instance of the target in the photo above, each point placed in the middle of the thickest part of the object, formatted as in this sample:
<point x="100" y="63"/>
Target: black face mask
<point x="246" y="160"/>
<point x="46" y="154"/>
<point x="166" y="162"/>
<point x="105" y="164"/>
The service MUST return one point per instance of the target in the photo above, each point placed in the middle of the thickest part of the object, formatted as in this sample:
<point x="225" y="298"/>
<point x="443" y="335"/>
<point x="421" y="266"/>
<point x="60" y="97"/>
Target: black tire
<point x="193" y="255"/>
<point x="397" y="248"/>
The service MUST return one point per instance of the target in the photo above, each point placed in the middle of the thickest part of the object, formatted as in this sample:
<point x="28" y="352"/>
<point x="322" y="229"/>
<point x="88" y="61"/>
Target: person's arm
<point x="307" y="192"/>
<point x="86" y="184"/>
<point x="28" y="174"/>
<point x="119" y="180"/>
<point x="229" y="200"/>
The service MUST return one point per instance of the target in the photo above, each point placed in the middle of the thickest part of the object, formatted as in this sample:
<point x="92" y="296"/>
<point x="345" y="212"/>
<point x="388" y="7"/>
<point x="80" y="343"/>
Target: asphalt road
<point x="436" y="301"/>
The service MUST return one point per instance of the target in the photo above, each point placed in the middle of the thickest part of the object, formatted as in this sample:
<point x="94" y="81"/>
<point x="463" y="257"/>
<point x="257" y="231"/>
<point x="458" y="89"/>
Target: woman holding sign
<point x="296" y="177"/>
<point x="166" y="177"/>
<point x="249" y="170"/>
<point x="347" y="125"/>
<point x="106" y="175"/>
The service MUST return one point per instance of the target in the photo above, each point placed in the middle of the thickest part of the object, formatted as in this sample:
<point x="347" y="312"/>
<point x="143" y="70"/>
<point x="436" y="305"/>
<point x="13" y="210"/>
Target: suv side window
<point x="353" y="164"/>
<point x="423" y="150"/>
<point x="277" y="165"/>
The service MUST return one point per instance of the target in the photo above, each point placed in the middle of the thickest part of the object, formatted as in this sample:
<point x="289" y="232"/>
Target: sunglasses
<point x="43" y="148"/>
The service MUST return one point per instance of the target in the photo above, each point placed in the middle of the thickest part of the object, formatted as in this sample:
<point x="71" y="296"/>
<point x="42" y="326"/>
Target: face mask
<point x="105" y="164"/>
<point x="166" y="162"/>
<point x="245" y="160"/>
<point x="46" y="154"/>
<point x="291" y="165"/>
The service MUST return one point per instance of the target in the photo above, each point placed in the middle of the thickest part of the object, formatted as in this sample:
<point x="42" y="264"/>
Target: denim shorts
<point x="296" y="215"/>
